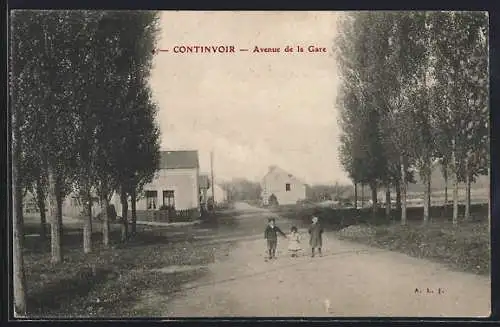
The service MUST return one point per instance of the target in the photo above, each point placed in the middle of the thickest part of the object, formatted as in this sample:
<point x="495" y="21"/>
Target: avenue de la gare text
<point x="255" y="49"/>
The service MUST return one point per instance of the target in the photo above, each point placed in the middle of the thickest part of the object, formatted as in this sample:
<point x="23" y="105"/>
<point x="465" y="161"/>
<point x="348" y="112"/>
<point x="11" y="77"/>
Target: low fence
<point x="168" y="216"/>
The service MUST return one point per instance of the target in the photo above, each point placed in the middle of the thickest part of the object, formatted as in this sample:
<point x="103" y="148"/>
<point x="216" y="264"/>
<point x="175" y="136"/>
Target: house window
<point x="287" y="187"/>
<point x="151" y="198"/>
<point x="168" y="199"/>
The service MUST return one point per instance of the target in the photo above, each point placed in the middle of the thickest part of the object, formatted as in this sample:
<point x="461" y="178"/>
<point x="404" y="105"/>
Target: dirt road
<point x="349" y="280"/>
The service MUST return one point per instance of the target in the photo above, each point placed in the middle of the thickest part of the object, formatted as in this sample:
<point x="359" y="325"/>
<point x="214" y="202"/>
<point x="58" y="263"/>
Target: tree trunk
<point x="455" y="198"/>
<point x="455" y="184"/>
<point x="124" y="202"/>
<point x="19" y="279"/>
<point x="362" y="196"/>
<point x="87" y="228"/>
<point x="388" y="201"/>
<point x="398" y="196"/>
<point x="355" y="195"/>
<point x="105" y="220"/>
<point x="467" y="192"/>
<point x="59" y="216"/>
<point x="429" y="193"/>
<point x="134" y="211"/>
<point x="445" y="176"/>
<point x="55" y="226"/>
<point x="40" y="197"/>
<point x="373" y="188"/>
<point x="403" y="192"/>
<point x="489" y="198"/>
<point x="427" y="189"/>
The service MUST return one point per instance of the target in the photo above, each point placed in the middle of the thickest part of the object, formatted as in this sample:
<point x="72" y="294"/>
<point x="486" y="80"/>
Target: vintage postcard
<point x="172" y="164"/>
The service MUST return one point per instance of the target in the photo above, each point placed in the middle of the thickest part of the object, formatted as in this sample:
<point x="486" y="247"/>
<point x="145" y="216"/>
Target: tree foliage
<point x="243" y="190"/>
<point x="85" y="118"/>
<point x="413" y="84"/>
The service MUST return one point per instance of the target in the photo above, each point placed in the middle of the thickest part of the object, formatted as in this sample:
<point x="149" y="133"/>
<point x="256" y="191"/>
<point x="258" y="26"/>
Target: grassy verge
<point x="465" y="247"/>
<point x="108" y="282"/>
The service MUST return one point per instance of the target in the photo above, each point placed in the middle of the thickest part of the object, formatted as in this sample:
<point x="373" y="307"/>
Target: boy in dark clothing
<point x="316" y="235"/>
<point x="271" y="235"/>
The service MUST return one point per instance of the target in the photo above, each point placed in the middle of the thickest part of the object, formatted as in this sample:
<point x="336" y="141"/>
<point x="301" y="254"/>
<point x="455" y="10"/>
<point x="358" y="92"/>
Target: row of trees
<point x="414" y="93"/>
<point x="240" y="189"/>
<point x="83" y="117"/>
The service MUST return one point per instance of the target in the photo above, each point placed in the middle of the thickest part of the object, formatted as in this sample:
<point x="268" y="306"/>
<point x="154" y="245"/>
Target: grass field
<point x="480" y="195"/>
<point x="107" y="282"/>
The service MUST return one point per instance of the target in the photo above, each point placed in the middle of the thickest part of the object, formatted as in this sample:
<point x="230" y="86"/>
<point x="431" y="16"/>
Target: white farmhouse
<point x="286" y="188"/>
<point x="175" y="185"/>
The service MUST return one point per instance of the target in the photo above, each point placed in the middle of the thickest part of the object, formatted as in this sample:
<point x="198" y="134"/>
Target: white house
<point x="175" y="184"/>
<point x="284" y="186"/>
<point x="220" y="195"/>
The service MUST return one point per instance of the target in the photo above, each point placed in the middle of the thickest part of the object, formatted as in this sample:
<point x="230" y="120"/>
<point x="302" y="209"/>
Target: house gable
<point x="286" y="188"/>
<point x="277" y="171"/>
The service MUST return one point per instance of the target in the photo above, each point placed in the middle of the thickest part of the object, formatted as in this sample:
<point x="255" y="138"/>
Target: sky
<point x="251" y="109"/>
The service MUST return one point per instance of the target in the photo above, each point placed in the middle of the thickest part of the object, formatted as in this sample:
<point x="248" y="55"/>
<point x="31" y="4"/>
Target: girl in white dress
<point x="294" y="242"/>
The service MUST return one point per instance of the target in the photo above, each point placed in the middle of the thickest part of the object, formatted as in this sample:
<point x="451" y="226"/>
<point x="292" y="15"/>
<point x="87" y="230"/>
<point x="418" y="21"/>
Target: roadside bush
<point x="358" y="231"/>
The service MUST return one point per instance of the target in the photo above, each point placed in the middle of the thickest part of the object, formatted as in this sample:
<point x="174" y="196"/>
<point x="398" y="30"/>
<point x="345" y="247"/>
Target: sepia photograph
<point x="182" y="164"/>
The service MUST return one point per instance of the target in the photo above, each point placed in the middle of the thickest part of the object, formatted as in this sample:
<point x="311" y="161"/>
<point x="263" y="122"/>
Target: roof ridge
<point x="276" y="167"/>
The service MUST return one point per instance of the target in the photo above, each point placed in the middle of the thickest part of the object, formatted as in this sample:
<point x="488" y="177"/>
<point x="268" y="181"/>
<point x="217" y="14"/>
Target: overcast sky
<point x="253" y="110"/>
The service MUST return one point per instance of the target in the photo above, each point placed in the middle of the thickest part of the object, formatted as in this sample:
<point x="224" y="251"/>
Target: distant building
<point x="30" y="205"/>
<point x="282" y="186"/>
<point x="220" y="194"/>
<point x="73" y="206"/>
<point x="204" y="185"/>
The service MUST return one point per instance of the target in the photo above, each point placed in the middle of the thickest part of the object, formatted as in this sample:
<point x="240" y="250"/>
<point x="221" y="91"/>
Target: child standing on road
<point x="271" y="235"/>
<point x="294" y="242"/>
<point x="316" y="236"/>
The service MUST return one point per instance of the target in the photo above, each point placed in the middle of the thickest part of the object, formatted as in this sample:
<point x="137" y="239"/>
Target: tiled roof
<point x="179" y="159"/>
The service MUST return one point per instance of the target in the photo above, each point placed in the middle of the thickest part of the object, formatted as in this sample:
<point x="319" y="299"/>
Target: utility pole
<point x="212" y="174"/>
